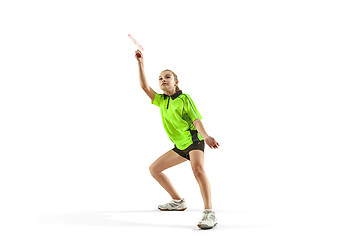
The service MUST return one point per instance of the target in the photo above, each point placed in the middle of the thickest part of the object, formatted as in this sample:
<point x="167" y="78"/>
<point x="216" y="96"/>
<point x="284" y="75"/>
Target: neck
<point x="169" y="93"/>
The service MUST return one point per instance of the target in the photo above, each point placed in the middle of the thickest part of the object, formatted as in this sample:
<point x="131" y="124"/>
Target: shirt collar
<point x="175" y="95"/>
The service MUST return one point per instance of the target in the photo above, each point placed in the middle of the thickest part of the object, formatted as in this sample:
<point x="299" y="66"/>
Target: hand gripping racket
<point x="138" y="55"/>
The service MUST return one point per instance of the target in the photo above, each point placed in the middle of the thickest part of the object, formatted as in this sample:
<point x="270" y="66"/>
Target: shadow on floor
<point x="105" y="218"/>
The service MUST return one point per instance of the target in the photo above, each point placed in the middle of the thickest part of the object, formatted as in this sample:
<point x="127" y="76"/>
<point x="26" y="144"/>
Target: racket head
<point x="136" y="43"/>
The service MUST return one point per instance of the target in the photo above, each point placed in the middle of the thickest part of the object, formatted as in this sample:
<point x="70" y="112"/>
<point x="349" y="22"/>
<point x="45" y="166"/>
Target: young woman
<point x="182" y="123"/>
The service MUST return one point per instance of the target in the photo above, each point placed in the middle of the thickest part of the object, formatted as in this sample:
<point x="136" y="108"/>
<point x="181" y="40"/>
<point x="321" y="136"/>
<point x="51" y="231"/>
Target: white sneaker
<point x="173" y="205"/>
<point x="208" y="220"/>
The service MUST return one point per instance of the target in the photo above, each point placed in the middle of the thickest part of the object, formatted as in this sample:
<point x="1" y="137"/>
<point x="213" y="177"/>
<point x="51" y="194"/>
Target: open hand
<point x="210" y="141"/>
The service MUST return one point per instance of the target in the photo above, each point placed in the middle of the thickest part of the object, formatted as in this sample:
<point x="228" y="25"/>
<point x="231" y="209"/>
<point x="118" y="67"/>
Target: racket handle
<point x="138" y="55"/>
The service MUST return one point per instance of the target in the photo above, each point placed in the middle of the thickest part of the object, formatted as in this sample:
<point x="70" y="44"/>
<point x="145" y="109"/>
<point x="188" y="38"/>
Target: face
<point x="167" y="81"/>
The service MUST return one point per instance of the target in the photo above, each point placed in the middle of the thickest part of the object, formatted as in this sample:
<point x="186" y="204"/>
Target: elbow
<point x="146" y="88"/>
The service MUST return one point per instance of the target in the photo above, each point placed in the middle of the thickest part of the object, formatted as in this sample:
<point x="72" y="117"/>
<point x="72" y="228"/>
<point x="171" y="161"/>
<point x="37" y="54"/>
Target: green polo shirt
<point x="178" y="112"/>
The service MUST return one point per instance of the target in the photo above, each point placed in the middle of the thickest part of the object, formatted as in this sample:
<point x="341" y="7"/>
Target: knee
<point x="153" y="170"/>
<point x="198" y="172"/>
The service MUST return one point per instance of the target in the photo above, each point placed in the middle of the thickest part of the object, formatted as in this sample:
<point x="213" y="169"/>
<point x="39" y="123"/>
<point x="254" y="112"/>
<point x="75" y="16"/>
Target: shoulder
<point x="161" y="95"/>
<point x="184" y="95"/>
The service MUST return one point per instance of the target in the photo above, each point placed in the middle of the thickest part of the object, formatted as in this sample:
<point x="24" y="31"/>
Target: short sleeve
<point x="191" y="109"/>
<point x="157" y="99"/>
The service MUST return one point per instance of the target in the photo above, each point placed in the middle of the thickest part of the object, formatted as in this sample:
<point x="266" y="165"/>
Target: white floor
<point x="142" y="223"/>
<point x="145" y="223"/>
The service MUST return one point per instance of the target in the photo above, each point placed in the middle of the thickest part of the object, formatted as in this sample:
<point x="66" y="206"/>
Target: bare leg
<point x="197" y="165"/>
<point x="169" y="159"/>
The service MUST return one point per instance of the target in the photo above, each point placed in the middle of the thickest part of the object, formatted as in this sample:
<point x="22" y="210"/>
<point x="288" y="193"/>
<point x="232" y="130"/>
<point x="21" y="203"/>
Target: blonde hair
<point x="176" y="79"/>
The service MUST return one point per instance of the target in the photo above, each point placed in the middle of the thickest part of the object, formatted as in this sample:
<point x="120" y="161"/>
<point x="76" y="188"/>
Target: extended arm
<point x="143" y="83"/>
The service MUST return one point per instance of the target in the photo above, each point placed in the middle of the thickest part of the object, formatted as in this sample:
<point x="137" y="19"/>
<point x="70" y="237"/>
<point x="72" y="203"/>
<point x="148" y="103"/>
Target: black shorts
<point x="195" y="146"/>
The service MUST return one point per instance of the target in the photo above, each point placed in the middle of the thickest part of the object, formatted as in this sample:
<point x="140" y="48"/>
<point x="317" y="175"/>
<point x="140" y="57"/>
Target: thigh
<point x="167" y="160"/>
<point x="197" y="160"/>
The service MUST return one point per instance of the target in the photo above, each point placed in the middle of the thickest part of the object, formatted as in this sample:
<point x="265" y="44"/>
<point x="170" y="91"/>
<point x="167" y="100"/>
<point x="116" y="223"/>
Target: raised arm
<point x="143" y="83"/>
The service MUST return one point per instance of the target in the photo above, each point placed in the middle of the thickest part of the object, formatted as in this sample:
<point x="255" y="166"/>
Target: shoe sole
<point x="206" y="227"/>
<point x="172" y="209"/>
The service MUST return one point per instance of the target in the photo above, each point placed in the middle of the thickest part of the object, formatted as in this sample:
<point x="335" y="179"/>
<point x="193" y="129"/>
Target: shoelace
<point x="168" y="204"/>
<point x="205" y="216"/>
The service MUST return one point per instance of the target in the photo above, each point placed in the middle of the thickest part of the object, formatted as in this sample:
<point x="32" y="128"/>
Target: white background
<point x="277" y="85"/>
